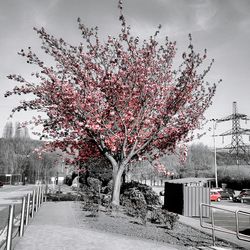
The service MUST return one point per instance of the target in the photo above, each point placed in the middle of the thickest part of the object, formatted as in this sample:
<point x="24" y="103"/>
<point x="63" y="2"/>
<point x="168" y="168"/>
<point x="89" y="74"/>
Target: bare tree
<point x="199" y="161"/>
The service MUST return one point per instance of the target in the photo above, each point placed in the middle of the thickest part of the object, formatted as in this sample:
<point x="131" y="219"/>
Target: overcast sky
<point x="220" y="26"/>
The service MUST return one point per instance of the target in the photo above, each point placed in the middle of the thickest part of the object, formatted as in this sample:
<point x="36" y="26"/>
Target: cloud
<point x="221" y="26"/>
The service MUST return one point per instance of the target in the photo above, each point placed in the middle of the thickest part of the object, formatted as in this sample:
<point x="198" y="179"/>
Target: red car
<point x="215" y="196"/>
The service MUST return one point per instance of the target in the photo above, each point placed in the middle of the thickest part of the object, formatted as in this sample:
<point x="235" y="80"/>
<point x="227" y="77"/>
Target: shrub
<point x="137" y="198"/>
<point x="108" y="189"/>
<point x="163" y="216"/>
<point x="105" y="200"/>
<point x="151" y="197"/>
<point x="68" y="180"/>
<point x="61" y="197"/>
<point x="91" y="198"/>
<point x="98" y="168"/>
<point x="94" y="184"/>
<point x="135" y="204"/>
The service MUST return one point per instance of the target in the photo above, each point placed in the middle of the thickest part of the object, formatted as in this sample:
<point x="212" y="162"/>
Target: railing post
<point x="41" y="195"/>
<point x="38" y="194"/>
<point x="213" y="227"/>
<point x="37" y="199"/>
<point x="241" y="236"/>
<point x="45" y="192"/>
<point x="27" y="210"/>
<point x="41" y="192"/>
<point x="45" y="197"/>
<point x="10" y="227"/>
<point x="212" y="222"/>
<point x="237" y="223"/>
<point x="21" y="228"/>
<point x="201" y="214"/>
<point x="33" y="203"/>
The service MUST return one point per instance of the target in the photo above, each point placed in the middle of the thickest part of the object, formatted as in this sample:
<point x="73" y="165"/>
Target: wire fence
<point x="18" y="216"/>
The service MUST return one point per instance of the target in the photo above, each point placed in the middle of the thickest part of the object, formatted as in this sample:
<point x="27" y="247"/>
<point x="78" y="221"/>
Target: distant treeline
<point x="17" y="156"/>
<point x="199" y="163"/>
<point x="226" y="159"/>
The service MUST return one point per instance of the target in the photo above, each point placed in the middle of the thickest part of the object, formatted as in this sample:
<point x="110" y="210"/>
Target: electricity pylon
<point x="237" y="148"/>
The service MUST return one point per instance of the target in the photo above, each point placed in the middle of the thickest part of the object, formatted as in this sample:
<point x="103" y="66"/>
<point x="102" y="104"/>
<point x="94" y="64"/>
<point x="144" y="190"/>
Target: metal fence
<point x="19" y="218"/>
<point x="214" y="227"/>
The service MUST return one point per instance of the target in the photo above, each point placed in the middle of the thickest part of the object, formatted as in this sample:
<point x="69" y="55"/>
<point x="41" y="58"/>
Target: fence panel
<point x="193" y="197"/>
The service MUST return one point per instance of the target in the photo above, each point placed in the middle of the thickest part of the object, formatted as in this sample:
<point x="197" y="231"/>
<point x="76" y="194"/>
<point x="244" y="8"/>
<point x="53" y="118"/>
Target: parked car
<point x="215" y="196"/>
<point x="227" y="194"/>
<point x="243" y="193"/>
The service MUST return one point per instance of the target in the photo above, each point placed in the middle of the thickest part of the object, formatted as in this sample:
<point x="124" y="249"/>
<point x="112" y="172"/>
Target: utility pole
<point x="215" y="159"/>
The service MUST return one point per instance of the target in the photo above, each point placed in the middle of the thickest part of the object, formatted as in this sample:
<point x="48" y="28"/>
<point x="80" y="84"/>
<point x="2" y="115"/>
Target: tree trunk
<point x="117" y="186"/>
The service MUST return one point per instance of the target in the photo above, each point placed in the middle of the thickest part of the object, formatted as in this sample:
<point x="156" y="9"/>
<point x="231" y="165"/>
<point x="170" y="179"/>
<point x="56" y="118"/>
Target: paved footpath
<point x="55" y="227"/>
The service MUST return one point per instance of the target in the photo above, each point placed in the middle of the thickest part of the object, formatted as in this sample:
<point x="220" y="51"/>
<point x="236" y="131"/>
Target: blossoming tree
<point x="120" y="98"/>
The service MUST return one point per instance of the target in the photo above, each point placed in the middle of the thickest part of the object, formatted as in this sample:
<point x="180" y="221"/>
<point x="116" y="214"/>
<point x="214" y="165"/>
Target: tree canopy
<point x="121" y="98"/>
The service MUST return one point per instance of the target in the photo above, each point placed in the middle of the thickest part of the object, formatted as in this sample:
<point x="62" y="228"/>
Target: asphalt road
<point x="12" y="195"/>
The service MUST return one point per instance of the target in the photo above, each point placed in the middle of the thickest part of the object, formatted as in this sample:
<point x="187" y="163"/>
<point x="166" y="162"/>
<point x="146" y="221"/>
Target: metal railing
<point x="214" y="228"/>
<point x="17" y="222"/>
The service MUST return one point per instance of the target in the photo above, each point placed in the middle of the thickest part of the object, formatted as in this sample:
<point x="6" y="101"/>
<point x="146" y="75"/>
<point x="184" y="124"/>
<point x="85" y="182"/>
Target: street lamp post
<point x="215" y="160"/>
